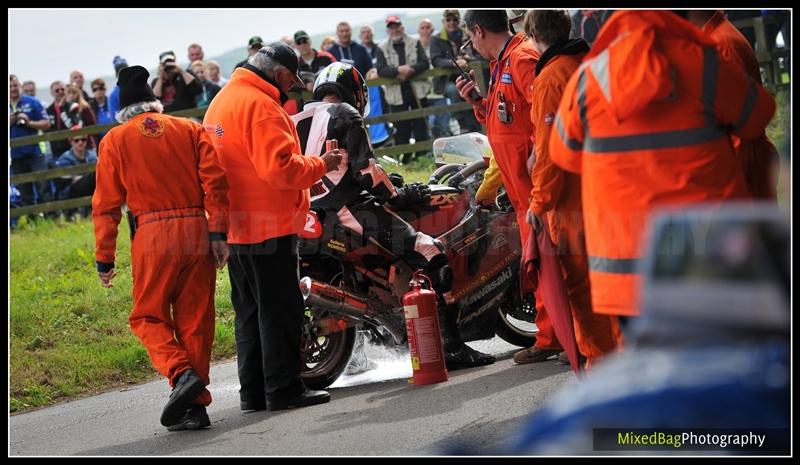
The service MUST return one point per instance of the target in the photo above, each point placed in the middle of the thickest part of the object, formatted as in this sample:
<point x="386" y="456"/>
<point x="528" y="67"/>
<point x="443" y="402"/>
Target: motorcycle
<point x="351" y="284"/>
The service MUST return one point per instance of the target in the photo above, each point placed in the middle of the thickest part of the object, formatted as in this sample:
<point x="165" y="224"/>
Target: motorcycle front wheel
<point x="520" y="332"/>
<point x="324" y="358"/>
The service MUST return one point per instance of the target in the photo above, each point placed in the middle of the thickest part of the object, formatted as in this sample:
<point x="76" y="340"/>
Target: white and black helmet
<point x="345" y="81"/>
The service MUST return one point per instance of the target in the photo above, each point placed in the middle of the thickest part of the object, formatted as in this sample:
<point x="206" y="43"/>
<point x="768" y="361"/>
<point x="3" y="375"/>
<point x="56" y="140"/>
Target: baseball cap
<point x="119" y="63"/>
<point x="166" y="56"/>
<point x="300" y="35"/>
<point x="393" y="19"/>
<point x="286" y="56"/>
<point x="255" y="40"/>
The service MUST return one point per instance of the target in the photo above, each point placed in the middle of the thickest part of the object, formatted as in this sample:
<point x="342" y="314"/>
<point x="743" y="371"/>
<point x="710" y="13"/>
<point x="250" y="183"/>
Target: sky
<point x="44" y="45"/>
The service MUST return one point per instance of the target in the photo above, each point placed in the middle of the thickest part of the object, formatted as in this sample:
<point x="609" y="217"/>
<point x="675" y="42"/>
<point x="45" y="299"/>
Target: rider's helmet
<point x="345" y="81"/>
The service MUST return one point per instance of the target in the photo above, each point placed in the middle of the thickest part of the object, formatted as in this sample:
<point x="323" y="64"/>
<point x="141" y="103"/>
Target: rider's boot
<point x="456" y="353"/>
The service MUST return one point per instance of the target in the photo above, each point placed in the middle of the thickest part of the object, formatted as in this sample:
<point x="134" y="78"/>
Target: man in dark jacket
<point x="350" y="52"/>
<point x="311" y="60"/>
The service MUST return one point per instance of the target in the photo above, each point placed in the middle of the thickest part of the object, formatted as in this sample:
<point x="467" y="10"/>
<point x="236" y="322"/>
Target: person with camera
<point x="361" y="196"/>
<point x="175" y="87"/>
<point x="79" y="110"/>
<point x="25" y="118"/>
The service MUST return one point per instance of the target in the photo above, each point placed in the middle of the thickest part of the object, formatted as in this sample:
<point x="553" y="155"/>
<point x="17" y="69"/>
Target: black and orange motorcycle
<point x="351" y="284"/>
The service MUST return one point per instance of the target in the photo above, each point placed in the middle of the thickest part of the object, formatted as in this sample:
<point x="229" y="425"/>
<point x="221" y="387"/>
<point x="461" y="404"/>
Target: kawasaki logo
<point x="444" y="199"/>
<point x="485" y="290"/>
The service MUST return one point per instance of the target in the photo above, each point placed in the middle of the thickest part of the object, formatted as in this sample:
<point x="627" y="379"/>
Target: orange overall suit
<point x="556" y="195"/>
<point x="165" y="169"/>
<point x="645" y="121"/>
<point x="512" y="143"/>
<point x="756" y="156"/>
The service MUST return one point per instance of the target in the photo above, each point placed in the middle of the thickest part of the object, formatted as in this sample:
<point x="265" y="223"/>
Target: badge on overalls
<point x="503" y="113"/>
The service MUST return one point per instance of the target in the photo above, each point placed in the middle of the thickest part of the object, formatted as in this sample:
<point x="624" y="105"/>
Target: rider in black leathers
<point x="359" y="194"/>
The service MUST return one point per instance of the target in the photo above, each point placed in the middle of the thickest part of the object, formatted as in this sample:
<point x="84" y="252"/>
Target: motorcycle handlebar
<point x="466" y="172"/>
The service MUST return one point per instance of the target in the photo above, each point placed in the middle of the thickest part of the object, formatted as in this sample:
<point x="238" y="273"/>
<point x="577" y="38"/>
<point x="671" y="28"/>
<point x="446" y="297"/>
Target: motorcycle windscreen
<point x="462" y="149"/>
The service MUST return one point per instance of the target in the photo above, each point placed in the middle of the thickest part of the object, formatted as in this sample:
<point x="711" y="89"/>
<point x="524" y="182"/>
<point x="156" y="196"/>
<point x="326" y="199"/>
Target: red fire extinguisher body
<point x="424" y="341"/>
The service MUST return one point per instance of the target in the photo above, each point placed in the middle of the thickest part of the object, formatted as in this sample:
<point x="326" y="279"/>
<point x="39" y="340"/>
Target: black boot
<point x="456" y="353"/>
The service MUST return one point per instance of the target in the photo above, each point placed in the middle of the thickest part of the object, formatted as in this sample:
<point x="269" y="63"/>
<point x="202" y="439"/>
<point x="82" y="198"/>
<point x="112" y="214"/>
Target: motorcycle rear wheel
<point x="324" y="358"/>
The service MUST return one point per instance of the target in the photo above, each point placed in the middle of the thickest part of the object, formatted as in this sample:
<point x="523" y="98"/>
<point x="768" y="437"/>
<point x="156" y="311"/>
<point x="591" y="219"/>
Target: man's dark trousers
<point x="269" y="316"/>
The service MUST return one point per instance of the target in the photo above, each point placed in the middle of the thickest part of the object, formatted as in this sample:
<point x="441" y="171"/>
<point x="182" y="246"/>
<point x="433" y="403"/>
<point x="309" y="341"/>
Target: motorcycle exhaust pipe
<point x="332" y="298"/>
<point x="337" y="300"/>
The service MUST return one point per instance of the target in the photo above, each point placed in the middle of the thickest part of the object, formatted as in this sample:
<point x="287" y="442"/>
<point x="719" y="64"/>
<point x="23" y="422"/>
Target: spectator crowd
<point x="400" y="56"/>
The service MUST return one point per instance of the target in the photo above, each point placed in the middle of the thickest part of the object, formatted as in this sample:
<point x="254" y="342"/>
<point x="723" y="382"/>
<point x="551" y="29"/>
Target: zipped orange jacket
<point x="258" y="147"/>
<point x="645" y="121"/>
<point x="756" y="156"/>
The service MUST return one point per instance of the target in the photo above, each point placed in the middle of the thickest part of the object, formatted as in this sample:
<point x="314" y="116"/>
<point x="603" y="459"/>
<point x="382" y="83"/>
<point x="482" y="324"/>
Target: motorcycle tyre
<point x="336" y="363"/>
<point x="511" y="335"/>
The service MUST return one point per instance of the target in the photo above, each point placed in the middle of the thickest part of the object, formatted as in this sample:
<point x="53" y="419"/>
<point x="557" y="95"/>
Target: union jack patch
<point x="218" y="130"/>
<point x="151" y="127"/>
<point x="548" y="118"/>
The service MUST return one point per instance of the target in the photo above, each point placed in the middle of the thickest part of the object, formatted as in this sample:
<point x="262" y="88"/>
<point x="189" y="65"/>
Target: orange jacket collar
<point x="517" y="39"/>
<point x="252" y="79"/>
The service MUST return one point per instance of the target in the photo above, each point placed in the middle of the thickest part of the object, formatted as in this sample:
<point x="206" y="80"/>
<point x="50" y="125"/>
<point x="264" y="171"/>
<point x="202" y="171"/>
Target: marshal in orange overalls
<point x="165" y="169"/>
<point x="556" y="195"/>
<point x="512" y="143"/>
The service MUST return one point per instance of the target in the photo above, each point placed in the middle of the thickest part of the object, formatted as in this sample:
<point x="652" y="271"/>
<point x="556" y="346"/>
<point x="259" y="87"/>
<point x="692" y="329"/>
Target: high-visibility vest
<point x="645" y="121"/>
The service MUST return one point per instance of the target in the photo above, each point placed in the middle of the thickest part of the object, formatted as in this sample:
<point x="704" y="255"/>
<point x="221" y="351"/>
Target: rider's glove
<point x="411" y="194"/>
<point x="396" y="179"/>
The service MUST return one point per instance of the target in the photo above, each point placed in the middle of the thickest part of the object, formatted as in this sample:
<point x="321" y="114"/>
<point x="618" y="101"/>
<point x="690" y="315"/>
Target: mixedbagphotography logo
<point x="728" y="441"/>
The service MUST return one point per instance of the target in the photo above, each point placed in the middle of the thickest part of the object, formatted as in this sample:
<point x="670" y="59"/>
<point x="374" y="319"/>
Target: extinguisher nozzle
<point x="305" y="287"/>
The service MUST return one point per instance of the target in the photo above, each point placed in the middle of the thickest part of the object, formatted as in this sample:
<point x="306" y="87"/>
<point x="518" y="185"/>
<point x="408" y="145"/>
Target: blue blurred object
<point x="378" y="133"/>
<point x="711" y="349"/>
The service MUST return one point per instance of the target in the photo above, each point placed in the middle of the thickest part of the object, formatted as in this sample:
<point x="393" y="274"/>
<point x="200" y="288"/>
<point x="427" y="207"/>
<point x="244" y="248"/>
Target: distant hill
<point x="229" y="59"/>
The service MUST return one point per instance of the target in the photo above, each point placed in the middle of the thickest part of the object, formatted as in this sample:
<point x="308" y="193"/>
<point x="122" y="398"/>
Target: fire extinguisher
<point x="422" y="326"/>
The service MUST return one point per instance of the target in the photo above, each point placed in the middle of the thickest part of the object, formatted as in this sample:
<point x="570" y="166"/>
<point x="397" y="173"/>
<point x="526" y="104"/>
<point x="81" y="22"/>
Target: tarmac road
<point x="368" y="415"/>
